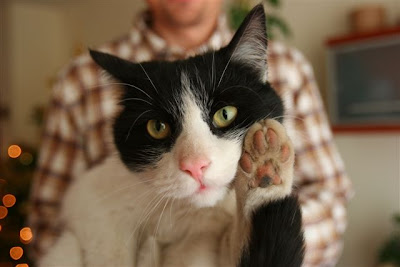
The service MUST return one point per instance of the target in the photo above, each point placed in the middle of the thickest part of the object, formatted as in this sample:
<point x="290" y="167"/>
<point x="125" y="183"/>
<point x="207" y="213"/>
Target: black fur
<point x="276" y="238"/>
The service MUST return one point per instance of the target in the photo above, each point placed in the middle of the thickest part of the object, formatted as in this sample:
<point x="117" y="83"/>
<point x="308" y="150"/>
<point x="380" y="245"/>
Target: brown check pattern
<point x="75" y="137"/>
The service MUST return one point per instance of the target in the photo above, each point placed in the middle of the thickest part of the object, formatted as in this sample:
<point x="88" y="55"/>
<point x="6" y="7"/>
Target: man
<point x="75" y="134"/>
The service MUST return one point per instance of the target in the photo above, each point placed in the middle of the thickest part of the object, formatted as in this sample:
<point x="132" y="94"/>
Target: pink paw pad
<point x="246" y="163"/>
<point x="259" y="142"/>
<point x="266" y="175"/>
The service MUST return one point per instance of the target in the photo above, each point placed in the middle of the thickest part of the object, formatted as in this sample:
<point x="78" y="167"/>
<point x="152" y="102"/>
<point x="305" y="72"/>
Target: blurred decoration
<point x="14" y="151"/>
<point x="368" y="18"/>
<point x="16" y="173"/>
<point x="275" y="24"/>
<point x="389" y="254"/>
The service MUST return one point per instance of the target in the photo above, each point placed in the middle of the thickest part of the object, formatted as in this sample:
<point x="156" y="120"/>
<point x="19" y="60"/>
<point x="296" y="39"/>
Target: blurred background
<point x="38" y="37"/>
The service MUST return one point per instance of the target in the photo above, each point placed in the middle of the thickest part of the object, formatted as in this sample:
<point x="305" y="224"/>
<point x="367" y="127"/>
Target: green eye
<point x="158" y="129"/>
<point x="225" y="116"/>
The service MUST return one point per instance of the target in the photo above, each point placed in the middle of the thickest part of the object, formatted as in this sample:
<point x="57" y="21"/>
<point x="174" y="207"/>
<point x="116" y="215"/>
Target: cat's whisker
<point x="170" y="212"/>
<point x="159" y="219"/>
<point x="162" y="212"/>
<point x="122" y="188"/>
<point x="289" y="117"/>
<point x="223" y="72"/>
<point x="119" y="83"/>
<point x="188" y="210"/>
<point x="244" y="87"/>
<point x="148" y="77"/>
<point x="149" y="214"/>
<point x="133" y="124"/>
<point x="154" y="199"/>
<point x="213" y="74"/>
<point x="230" y="58"/>
<point x="156" y="229"/>
<point x="136" y="99"/>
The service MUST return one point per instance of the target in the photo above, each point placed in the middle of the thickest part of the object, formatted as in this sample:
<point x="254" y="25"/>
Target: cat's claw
<point x="267" y="162"/>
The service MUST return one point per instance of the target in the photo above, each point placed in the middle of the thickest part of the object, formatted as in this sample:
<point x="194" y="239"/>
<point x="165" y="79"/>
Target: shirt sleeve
<point x="322" y="184"/>
<point x="62" y="154"/>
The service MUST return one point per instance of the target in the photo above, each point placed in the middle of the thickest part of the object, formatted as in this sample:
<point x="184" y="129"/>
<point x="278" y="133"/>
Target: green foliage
<point x="275" y="24"/>
<point x="275" y="3"/>
<point x="390" y="252"/>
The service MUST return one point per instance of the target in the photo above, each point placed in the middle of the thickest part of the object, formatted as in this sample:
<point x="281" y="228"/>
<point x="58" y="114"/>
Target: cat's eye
<point x="158" y="129"/>
<point x="225" y="116"/>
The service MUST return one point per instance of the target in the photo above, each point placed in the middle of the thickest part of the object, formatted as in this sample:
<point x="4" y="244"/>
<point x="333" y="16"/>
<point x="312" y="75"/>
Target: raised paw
<point x="267" y="161"/>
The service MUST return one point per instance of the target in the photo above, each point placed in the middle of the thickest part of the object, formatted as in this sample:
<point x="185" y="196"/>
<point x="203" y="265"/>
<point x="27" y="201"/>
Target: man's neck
<point x="187" y="37"/>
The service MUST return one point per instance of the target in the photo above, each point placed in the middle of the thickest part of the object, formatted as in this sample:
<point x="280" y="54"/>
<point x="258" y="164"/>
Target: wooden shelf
<point x="367" y="129"/>
<point x="355" y="37"/>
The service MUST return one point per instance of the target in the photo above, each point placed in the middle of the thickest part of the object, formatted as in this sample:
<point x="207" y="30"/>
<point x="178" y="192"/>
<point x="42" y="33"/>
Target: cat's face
<point x="183" y="122"/>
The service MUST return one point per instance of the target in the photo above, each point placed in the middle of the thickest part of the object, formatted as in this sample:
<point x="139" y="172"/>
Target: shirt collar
<point x="220" y="37"/>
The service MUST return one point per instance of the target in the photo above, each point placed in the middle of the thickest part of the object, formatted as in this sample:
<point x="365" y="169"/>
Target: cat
<point x="203" y="172"/>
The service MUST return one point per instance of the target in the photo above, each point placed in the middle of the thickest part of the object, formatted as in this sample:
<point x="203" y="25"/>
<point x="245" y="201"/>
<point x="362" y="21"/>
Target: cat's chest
<point x="175" y="220"/>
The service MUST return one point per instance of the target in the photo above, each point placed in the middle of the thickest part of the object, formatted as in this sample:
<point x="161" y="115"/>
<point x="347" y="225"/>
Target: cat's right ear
<point x="117" y="67"/>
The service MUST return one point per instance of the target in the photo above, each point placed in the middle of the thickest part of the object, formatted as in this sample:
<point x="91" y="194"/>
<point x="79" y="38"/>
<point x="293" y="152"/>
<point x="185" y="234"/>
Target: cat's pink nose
<point x="194" y="167"/>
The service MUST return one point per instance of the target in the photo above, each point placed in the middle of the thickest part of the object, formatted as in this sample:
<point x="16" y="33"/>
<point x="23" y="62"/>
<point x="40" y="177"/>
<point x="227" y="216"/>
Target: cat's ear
<point x="118" y="68"/>
<point x="249" y="44"/>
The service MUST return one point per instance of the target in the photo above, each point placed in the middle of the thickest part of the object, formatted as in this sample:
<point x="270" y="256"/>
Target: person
<point x="74" y="138"/>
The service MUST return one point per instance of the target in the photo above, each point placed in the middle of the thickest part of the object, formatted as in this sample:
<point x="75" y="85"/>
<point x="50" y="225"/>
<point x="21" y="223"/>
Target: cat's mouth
<point x="206" y="189"/>
<point x="202" y="188"/>
<point x="207" y="196"/>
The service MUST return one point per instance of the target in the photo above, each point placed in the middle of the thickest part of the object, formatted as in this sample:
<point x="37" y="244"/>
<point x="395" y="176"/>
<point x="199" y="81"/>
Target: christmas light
<point x="9" y="200"/>
<point x="16" y="253"/>
<point x="3" y="212"/>
<point x="22" y="265"/>
<point x="25" y="235"/>
<point x="14" y="151"/>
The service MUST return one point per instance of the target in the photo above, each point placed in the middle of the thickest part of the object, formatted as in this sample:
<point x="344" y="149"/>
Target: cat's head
<point x="183" y="122"/>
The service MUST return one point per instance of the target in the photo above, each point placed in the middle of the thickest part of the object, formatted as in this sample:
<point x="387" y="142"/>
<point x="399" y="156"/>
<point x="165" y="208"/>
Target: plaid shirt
<point x="75" y="137"/>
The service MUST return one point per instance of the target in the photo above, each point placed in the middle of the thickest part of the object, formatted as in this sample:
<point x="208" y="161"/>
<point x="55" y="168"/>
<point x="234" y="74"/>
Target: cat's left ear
<point x="249" y="44"/>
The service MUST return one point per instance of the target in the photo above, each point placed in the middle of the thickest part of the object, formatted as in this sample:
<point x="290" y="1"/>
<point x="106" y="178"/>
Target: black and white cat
<point x="203" y="173"/>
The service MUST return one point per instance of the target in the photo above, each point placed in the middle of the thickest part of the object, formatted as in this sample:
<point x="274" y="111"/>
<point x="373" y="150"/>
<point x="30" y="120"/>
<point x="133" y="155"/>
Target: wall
<point x="4" y="100"/>
<point x="373" y="164"/>
<point x="38" y="44"/>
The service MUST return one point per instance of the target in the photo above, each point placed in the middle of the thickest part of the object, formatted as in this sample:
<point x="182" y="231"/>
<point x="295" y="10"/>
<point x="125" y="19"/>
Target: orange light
<point x="14" y="151"/>
<point x="22" y="265"/>
<point x="3" y="212"/>
<point x="9" y="200"/>
<point x="16" y="253"/>
<point x="26" y="235"/>
<point x="0" y="228"/>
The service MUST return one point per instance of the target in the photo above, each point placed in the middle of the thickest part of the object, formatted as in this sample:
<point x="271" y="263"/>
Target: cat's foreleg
<point x="267" y="227"/>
